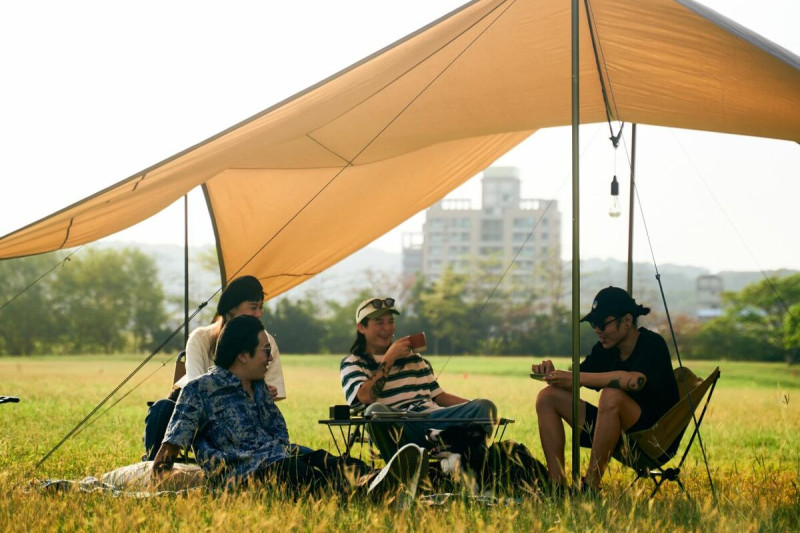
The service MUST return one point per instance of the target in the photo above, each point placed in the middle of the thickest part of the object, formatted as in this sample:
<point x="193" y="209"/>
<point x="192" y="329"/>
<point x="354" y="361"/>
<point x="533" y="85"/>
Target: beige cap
<point x="375" y="307"/>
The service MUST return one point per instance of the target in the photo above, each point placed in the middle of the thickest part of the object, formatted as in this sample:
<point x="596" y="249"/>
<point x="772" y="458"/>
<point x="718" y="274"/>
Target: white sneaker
<point x="451" y="464"/>
<point x="401" y="474"/>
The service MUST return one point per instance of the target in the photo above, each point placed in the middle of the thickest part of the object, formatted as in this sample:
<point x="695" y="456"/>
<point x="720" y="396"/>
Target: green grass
<point x="750" y="434"/>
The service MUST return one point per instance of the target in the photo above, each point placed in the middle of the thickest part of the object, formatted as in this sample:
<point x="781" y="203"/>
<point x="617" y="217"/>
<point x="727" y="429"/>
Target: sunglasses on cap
<point x="377" y="303"/>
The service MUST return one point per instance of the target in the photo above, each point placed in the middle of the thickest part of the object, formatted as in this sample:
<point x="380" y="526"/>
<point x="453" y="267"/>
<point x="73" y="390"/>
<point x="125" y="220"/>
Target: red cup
<point x="418" y="342"/>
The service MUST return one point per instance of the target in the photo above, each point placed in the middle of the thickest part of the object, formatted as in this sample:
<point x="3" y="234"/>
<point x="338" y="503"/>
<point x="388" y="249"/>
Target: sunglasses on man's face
<point x="602" y="325"/>
<point x="377" y="303"/>
<point x="267" y="349"/>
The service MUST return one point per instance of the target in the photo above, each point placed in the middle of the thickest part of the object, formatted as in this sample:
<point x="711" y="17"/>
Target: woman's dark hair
<point x="241" y="289"/>
<point x="239" y="335"/>
<point x="359" y="346"/>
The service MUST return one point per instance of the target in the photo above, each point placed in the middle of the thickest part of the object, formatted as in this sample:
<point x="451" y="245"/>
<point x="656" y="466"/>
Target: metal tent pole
<point x="576" y="282"/>
<point x="185" y="269"/>
<point x="630" y="212"/>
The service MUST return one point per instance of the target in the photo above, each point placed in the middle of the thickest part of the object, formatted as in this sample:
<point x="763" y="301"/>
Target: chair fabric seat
<point x="651" y="448"/>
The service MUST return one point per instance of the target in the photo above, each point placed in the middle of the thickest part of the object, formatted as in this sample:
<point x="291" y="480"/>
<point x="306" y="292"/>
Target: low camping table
<point x="351" y="430"/>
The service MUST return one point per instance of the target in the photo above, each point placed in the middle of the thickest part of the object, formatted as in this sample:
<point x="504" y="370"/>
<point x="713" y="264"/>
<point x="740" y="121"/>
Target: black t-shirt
<point x="650" y="357"/>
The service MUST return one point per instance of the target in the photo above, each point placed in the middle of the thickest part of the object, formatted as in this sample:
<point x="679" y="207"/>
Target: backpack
<point x="502" y="467"/>
<point x="510" y="467"/>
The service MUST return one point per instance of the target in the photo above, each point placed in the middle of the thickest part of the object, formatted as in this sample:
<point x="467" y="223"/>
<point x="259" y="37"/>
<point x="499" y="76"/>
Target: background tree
<point x="791" y="334"/>
<point x="753" y="326"/>
<point x="297" y="325"/>
<point x="412" y="306"/>
<point x="455" y="327"/>
<point x="146" y="299"/>
<point x="28" y="323"/>
<point x="340" y="325"/>
<point x="91" y="302"/>
<point x="106" y="300"/>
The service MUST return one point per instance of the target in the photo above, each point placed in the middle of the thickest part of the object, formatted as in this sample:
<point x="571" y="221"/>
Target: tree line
<point x="111" y="301"/>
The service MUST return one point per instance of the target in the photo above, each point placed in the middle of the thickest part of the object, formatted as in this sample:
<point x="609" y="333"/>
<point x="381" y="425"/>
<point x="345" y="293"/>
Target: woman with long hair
<point x="243" y="296"/>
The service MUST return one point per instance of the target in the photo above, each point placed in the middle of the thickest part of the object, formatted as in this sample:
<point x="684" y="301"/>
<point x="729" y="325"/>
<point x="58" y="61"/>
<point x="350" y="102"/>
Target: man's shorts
<point x="646" y="420"/>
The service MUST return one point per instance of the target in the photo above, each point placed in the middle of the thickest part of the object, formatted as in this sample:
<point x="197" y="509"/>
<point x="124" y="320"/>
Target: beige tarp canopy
<point x="307" y="182"/>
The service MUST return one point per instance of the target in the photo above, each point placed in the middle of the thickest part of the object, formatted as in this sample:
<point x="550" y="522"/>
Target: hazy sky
<point x="94" y="92"/>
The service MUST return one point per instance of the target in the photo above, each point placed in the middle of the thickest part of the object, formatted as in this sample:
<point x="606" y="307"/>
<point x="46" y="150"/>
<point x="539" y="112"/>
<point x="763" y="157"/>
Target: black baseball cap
<point x="611" y="301"/>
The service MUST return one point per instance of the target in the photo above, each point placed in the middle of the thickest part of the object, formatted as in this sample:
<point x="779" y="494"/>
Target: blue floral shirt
<point x="236" y="434"/>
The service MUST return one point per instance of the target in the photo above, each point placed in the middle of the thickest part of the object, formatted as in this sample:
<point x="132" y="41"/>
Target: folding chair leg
<point x="637" y="478"/>
<point x="657" y="485"/>
<point x="686" y="492"/>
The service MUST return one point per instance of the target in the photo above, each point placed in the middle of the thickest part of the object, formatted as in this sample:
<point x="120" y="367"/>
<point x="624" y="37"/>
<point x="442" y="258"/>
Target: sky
<point x="95" y="91"/>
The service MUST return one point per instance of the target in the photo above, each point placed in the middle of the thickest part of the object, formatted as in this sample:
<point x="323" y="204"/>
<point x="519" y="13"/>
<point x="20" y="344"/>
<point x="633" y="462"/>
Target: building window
<point x="490" y="250"/>
<point x="523" y="222"/>
<point x="492" y="225"/>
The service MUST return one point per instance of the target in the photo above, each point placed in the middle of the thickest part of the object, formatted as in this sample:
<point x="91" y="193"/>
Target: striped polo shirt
<point x="410" y="384"/>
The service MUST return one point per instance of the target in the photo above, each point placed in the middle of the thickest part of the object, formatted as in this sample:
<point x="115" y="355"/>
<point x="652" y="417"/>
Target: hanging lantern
<point x="614" y="211"/>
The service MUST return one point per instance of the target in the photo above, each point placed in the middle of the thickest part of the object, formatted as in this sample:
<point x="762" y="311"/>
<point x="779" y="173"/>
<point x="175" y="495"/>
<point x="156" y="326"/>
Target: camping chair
<point x="180" y="367"/>
<point x="647" y="451"/>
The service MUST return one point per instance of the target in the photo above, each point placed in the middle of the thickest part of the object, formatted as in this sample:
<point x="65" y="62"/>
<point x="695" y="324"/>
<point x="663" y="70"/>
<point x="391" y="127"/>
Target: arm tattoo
<point x="636" y="384"/>
<point x="380" y="382"/>
<point x="613" y="384"/>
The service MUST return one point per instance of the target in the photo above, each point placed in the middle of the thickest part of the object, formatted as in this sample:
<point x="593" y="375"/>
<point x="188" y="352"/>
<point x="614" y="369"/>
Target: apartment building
<point x="507" y="229"/>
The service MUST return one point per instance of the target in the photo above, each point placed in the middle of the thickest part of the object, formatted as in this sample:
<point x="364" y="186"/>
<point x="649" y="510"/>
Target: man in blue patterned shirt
<point x="239" y="434"/>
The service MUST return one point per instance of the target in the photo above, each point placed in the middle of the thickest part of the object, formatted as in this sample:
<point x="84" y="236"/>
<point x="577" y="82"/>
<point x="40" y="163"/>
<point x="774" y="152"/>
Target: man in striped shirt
<point x="388" y="376"/>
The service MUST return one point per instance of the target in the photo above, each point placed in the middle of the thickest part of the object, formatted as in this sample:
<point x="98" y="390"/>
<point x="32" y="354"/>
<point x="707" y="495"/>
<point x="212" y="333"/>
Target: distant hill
<point x="341" y="281"/>
<point x="338" y="282"/>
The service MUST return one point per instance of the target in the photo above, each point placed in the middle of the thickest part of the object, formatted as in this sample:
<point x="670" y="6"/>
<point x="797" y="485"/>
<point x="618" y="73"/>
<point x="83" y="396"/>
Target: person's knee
<point x="155" y="425"/>
<point x="611" y="400"/>
<point x="376" y="408"/>
<point x="486" y="408"/>
<point x="548" y="399"/>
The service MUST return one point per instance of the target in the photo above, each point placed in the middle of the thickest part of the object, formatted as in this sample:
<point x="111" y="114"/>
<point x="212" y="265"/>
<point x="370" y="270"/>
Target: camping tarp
<point x="298" y="187"/>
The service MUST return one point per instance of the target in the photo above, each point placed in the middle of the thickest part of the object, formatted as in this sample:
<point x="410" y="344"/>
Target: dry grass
<point x="750" y="435"/>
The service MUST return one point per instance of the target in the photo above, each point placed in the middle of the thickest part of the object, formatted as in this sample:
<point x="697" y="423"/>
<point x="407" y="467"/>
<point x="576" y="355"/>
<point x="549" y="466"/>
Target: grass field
<point x="750" y="433"/>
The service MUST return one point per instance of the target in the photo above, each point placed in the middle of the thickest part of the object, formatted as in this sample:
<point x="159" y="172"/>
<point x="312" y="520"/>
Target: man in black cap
<point x="631" y="368"/>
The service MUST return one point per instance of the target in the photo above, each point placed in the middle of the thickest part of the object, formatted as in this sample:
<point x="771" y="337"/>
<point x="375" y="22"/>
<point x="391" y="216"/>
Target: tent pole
<point x="576" y="270"/>
<point x="630" y="212"/>
<point x="185" y="269"/>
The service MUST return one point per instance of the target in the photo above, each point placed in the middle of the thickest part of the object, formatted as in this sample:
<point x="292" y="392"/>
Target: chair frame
<point x="646" y="466"/>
